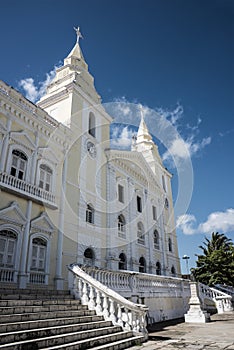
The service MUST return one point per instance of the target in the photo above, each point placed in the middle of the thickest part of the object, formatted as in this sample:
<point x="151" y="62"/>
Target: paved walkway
<point x="215" y="335"/>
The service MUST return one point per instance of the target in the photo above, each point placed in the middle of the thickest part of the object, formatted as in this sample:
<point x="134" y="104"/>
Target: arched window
<point x="122" y="262"/>
<point x="169" y="245"/>
<point x="142" y="264"/>
<point x="45" y="180"/>
<point x="158" y="268"/>
<point x="8" y="240"/>
<point x="38" y="260"/>
<point x="166" y="203"/>
<point x="90" y="214"/>
<point x="121" y="226"/>
<point x="92" y="129"/>
<point x="89" y="257"/>
<point x="140" y="233"/>
<point x="173" y="271"/>
<point x="18" y="164"/>
<point x="156" y="239"/>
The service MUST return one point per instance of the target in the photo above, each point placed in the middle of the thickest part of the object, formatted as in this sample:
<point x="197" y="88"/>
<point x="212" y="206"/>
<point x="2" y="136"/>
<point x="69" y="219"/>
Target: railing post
<point x="195" y="313"/>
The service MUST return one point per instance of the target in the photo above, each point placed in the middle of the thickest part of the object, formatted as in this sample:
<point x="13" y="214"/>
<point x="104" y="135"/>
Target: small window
<point x="142" y="265"/>
<point x="121" y="193"/>
<point x="139" y="204"/>
<point x="45" y="177"/>
<point x="169" y="245"/>
<point x="38" y="254"/>
<point x="156" y="239"/>
<point x="89" y="257"/>
<point x="173" y="271"/>
<point x="18" y="165"/>
<point x="121" y="226"/>
<point x="154" y="213"/>
<point x="92" y="129"/>
<point x="90" y="214"/>
<point x="140" y="233"/>
<point x="158" y="268"/>
<point x="122" y="262"/>
<point x="166" y="203"/>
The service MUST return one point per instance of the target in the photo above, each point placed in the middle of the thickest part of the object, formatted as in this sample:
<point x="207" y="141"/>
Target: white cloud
<point x="219" y="221"/>
<point x="35" y="91"/>
<point x="121" y="138"/>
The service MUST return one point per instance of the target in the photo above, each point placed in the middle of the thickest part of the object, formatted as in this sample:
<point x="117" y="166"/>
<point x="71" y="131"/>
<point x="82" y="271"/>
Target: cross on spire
<point x="78" y="34"/>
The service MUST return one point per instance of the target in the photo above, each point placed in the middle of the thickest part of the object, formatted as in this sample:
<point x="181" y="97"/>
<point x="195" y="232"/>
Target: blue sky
<point x="172" y="56"/>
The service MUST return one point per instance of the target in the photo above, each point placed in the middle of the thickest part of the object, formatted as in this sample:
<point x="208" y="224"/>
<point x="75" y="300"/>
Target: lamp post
<point x="186" y="258"/>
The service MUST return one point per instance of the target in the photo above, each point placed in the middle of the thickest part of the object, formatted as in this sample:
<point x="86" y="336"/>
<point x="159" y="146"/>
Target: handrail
<point x="222" y="300"/>
<point x="106" y="302"/>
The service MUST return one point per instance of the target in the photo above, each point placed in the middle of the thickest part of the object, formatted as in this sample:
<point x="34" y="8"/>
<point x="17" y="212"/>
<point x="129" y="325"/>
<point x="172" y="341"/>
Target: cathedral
<point x="66" y="196"/>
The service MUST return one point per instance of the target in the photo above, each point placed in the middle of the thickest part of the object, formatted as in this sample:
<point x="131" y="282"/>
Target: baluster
<point x="135" y="322"/>
<point x="119" y="316"/>
<point x="84" y="298"/>
<point x="98" y="307"/>
<point x="112" y="312"/>
<point x="105" y="307"/>
<point x="126" y="319"/>
<point x="91" y="299"/>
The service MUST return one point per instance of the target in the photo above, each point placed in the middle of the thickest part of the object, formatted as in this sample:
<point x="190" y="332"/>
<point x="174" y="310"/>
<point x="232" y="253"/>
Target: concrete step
<point x="89" y="337"/>
<point x="44" y="315"/>
<point x="9" y="310"/>
<point x="121" y="340"/>
<point x="34" y="296"/>
<point x="23" y="335"/>
<point x="38" y="302"/>
<point x="49" y="322"/>
<point x="41" y="291"/>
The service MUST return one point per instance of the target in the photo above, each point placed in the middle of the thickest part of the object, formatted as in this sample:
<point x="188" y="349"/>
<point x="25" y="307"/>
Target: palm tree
<point x="216" y="264"/>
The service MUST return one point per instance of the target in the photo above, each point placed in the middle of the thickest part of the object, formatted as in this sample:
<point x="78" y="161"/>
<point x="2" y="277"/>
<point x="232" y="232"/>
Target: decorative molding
<point x="42" y="224"/>
<point x="13" y="214"/>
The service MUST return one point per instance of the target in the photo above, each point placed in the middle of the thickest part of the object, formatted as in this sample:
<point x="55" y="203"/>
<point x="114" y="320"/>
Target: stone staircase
<point x="43" y="319"/>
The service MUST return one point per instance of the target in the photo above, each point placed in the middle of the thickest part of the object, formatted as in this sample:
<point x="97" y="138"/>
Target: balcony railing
<point x="27" y="190"/>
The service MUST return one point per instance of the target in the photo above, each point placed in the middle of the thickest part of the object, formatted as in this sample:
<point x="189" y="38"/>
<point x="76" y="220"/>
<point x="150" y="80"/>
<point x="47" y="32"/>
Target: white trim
<point x="15" y="146"/>
<point x="53" y="177"/>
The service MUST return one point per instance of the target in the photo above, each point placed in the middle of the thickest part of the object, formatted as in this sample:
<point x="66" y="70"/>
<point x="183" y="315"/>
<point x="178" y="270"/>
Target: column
<point x="23" y="276"/>
<point x="58" y="277"/>
<point x="134" y="265"/>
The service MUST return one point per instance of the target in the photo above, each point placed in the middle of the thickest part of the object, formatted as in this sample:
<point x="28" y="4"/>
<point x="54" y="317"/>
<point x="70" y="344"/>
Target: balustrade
<point x="111" y="305"/>
<point x="20" y="186"/>
<point x="222" y="301"/>
<point x="7" y="275"/>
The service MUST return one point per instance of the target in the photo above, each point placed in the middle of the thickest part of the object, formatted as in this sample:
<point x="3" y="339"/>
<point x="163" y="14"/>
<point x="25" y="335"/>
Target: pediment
<point x="48" y="154"/>
<point x="22" y="138"/>
<point x="13" y="214"/>
<point x="42" y="224"/>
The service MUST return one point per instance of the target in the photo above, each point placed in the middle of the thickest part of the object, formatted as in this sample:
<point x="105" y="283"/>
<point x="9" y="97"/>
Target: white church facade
<point x="66" y="196"/>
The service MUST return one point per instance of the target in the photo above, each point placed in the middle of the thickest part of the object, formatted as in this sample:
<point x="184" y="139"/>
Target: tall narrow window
<point x="142" y="264"/>
<point x="92" y="126"/>
<point x="121" y="193"/>
<point x="158" y="268"/>
<point x="154" y="212"/>
<point x="122" y="262"/>
<point x="8" y="241"/>
<point x="156" y="239"/>
<point x="140" y="233"/>
<point x="90" y="214"/>
<point x="45" y="177"/>
<point x="18" y="165"/>
<point x="121" y="226"/>
<point x="169" y="245"/>
<point x="166" y="203"/>
<point x="38" y="254"/>
<point x="139" y="204"/>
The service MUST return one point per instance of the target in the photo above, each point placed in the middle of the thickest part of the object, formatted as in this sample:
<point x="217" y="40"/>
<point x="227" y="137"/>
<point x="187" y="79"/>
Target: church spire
<point x="76" y="53"/>
<point x="143" y="132"/>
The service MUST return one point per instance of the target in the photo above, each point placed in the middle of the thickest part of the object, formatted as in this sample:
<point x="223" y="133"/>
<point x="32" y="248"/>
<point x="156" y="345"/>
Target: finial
<point x="78" y="34"/>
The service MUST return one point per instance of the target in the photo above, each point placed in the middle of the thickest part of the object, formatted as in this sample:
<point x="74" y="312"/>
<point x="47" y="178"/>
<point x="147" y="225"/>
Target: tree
<point x="216" y="264"/>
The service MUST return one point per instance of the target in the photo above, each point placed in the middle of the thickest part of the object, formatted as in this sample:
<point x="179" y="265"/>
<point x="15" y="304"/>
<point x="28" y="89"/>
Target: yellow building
<point x="66" y="197"/>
